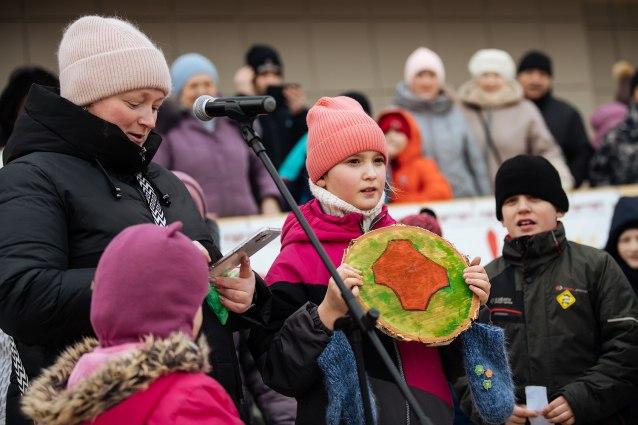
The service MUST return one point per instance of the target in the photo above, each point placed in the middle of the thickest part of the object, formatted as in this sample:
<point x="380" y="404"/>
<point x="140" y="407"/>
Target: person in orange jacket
<point x="414" y="177"/>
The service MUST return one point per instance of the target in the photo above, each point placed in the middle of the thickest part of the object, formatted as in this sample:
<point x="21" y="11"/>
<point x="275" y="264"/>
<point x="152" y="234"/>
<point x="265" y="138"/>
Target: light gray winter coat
<point x="446" y="138"/>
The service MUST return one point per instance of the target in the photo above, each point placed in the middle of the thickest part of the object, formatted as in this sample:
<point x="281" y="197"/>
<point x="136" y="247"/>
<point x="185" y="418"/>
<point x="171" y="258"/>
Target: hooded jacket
<point x="161" y="383"/>
<point x="515" y="127"/>
<point x="415" y="177"/>
<point x="571" y="320"/>
<point x="447" y="139"/>
<point x="287" y="352"/>
<point x="625" y="217"/>
<point x="68" y="188"/>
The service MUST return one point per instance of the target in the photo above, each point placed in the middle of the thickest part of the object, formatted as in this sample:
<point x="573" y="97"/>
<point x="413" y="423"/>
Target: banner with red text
<point x="469" y="224"/>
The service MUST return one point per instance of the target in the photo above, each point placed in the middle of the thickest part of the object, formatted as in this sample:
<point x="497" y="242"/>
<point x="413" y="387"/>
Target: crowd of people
<point x="111" y="187"/>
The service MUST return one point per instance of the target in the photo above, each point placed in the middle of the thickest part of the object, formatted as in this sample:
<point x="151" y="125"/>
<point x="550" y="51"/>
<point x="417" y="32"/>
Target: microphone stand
<point x="356" y="321"/>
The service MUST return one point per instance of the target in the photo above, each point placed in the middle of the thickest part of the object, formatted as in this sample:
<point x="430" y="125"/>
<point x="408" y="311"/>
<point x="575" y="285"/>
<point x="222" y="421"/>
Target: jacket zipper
<point x="400" y="364"/>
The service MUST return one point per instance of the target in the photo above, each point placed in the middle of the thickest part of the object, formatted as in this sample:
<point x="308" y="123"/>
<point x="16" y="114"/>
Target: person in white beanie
<point x="446" y="137"/>
<point x="503" y="122"/>
<point x="77" y="171"/>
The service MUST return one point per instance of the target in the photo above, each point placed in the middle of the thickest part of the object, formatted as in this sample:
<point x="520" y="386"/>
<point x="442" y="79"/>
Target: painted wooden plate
<point x="415" y="279"/>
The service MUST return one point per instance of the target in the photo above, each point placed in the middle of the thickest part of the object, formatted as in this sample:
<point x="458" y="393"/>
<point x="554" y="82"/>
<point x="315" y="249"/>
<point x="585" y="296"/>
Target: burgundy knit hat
<point x="423" y="220"/>
<point x="150" y="280"/>
<point x="337" y="128"/>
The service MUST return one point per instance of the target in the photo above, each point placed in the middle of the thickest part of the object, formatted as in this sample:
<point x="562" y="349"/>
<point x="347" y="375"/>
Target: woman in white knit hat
<point x="446" y="137"/>
<point x="503" y="122"/>
<point x="78" y="171"/>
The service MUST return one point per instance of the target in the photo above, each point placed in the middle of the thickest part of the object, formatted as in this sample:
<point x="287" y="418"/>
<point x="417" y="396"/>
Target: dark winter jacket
<point x="625" y="217"/>
<point x="281" y="130"/>
<point x="287" y="355"/>
<point x="616" y="162"/>
<point x="68" y="188"/>
<point x="566" y="125"/>
<point x="571" y="320"/>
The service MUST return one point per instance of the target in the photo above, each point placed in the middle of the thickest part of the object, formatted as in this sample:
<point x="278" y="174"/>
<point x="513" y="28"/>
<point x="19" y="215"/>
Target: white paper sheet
<point x="536" y="399"/>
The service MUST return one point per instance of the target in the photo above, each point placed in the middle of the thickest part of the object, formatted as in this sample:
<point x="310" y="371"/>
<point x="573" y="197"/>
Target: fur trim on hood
<point x="48" y="401"/>
<point x="471" y="94"/>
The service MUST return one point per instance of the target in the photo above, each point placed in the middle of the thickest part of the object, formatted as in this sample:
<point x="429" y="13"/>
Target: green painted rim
<point x="450" y="310"/>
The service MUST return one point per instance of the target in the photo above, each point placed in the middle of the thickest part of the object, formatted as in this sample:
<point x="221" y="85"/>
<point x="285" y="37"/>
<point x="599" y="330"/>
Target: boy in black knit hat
<point x="569" y="313"/>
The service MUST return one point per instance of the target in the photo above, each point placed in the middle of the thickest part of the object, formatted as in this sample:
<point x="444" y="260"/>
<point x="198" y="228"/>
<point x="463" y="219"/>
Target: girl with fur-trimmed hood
<point x="145" y="367"/>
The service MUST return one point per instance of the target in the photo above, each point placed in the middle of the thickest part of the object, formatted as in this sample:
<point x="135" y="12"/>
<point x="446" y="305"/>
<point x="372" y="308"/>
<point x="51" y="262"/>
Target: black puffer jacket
<point x="571" y="319"/>
<point x="59" y="208"/>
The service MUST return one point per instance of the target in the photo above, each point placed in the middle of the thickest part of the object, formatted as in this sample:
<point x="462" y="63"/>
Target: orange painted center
<point x="413" y="277"/>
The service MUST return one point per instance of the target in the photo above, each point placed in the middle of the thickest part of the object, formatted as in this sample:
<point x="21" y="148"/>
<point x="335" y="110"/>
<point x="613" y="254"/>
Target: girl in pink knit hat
<point x="301" y="355"/>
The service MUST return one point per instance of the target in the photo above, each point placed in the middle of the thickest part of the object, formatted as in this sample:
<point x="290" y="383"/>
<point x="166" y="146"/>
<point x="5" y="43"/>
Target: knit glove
<point x="488" y="372"/>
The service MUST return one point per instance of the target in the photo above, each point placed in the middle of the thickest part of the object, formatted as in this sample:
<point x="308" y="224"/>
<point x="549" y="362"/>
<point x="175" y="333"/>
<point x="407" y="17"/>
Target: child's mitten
<point x="488" y="372"/>
<point x="339" y="367"/>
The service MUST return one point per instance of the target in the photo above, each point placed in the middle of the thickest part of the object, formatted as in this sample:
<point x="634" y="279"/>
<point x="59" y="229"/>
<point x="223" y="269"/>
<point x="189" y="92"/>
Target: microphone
<point x="208" y="107"/>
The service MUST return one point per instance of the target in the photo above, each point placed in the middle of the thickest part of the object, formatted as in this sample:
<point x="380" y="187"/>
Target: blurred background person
<point x="622" y="243"/>
<point x="613" y="113"/>
<point x="445" y="135"/>
<point x="14" y="93"/>
<point x="413" y="177"/>
<point x="214" y="153"/>
<point x="616" y="162"/>
<point x="535" y="74"/>
<point x="426" y="219"/>
<point x="503" y="122"/>
<point x="243" y="81"/>
<point x="281" y="129"/>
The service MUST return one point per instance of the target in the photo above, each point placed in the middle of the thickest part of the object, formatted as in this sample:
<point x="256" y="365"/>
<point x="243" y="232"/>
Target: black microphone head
<point x="199" y="107"/>
<point x="270" y="104"/>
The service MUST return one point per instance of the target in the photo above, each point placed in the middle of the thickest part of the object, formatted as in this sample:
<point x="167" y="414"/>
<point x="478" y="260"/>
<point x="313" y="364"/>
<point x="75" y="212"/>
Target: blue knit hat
<point x="187" y="66"/>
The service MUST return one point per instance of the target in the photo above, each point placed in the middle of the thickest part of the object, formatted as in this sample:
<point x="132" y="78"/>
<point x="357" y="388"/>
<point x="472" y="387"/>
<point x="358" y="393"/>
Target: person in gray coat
<point x="446" y="137"/>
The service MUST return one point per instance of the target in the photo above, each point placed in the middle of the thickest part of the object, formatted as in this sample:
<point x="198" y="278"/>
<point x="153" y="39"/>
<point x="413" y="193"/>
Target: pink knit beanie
<point x="423" y="59"/>
<point x="150" y="280"/>
<point x="337" y="128"/>
<point x="99" y="57"/>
